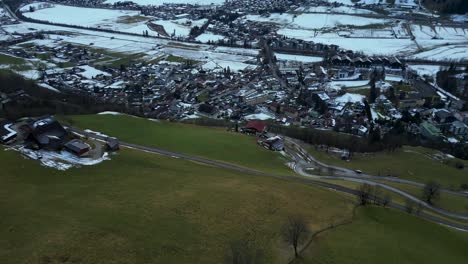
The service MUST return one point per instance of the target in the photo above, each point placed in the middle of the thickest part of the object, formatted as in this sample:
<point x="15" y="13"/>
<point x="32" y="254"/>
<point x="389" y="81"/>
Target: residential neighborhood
<point x="234" y="131"/>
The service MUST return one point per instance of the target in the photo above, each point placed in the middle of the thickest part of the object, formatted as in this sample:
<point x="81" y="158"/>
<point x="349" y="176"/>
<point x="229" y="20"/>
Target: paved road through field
<point x="305" y="180"/>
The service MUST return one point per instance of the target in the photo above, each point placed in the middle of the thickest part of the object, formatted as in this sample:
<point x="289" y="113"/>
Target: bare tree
<point x="431" y="192"/>
<point x="409" y="206"/>
<point x="295" y="231"/>
<point x="364" y="194"/>
<point x="376" y="193"/>
<point x="386" y="200"/>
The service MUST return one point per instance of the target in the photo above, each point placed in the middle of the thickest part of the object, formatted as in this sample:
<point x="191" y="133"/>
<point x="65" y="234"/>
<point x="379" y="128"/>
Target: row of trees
<point x="372" y="194"/>
<point x="334" y="139"/>
<point x="448" y="6"/>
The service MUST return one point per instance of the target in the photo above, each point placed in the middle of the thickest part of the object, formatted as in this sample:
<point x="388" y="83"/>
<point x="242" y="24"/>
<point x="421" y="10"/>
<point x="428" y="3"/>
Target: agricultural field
<point x="117" y="20"/>
<point x="141" y="207"/>
<point x="213" y="143"/>
<point x="8" y="62"/>
<point x="145" y="208"/>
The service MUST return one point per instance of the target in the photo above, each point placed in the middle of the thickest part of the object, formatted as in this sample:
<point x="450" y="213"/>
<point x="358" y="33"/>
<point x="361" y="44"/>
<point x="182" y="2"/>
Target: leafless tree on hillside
<point x="431" y="191"/>
<point x="295" y="231"/>
<point x="364" y="194"/>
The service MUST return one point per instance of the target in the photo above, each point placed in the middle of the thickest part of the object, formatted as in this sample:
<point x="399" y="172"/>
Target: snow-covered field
<point x="233" y="57"/>
<point x="381" y="42"/>
<point x="340" y="9"/>
<point x="446" y="33"/>
<point x="205" y="37"/>
<point x="179" y="27"/>
<point x="118" y="20"/>
<point x="430" y="70"/>
<point x="450" y="52"/>
<point x="161" y="2"/>
<point x="315" y="21"/>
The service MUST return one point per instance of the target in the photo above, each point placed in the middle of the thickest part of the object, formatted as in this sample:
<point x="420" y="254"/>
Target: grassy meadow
<point x="212" y="143"/>
<point x="146" y="208"/>
<point x="379" y="235"/>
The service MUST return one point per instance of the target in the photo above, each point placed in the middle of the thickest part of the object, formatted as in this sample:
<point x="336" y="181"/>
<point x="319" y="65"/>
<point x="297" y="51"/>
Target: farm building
<point x="254" y="127"/>
<point x="77" y="147"/>
<point x="48" y="133"/>
<point x="273" y="143"/>
<point x="112" y="144"/>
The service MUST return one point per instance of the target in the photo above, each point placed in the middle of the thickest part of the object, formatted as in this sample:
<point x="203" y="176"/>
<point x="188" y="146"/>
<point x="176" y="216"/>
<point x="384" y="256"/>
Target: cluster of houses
<point x="46" y="133"/>
<point x="181" y="90"/>
<point x="321" y="94"/>
<point x="366" y="61"/>
<point x="268" y="141"/>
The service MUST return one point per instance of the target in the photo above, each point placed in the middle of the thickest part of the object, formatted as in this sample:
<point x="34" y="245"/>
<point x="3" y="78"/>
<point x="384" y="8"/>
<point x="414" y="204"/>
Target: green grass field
<point x="146" y="208"/>
<point x="385" y="236"/>
<point x="446" y="201"/>
<point x="213" y="143"/>
<point x="14" y="63"/>
<point x="6" y="59"/>
<point x="410" y="163"/>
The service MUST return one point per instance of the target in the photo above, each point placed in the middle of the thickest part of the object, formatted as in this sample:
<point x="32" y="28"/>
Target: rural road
<point x="340" y="171"/>
<point x="302" y="166"/>
<point x="224" y="165"/>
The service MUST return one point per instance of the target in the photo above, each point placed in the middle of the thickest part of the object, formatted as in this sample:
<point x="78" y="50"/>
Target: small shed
<point x="77" y="147"/>
<point x="112" y="144"/>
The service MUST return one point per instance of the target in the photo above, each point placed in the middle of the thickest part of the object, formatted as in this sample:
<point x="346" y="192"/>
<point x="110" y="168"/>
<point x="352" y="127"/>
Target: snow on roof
<point x="116" y="85"/>
<point x="45" y="85"/>
<point x="300" y="58"/>
<point x="11" y="132"/>
<point x="109" y="113"/>
<point x="260" y="116"/>
<point x="350" y="98"/>
<point x="90" y="72"/>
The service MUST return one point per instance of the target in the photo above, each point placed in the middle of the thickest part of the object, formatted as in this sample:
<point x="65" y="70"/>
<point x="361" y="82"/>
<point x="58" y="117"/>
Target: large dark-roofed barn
<point x="48" y="133"/>
<point x="254" y="127"/>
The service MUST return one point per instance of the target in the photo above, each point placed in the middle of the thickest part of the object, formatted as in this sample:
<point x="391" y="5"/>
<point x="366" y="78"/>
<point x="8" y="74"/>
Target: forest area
<point x="447" y="6"/>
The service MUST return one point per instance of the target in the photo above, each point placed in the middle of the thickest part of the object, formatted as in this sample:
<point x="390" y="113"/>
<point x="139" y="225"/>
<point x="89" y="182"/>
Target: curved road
<point x="301" y="166"/>
<point x="351" y="173"/>
<point x="255" y="172"/>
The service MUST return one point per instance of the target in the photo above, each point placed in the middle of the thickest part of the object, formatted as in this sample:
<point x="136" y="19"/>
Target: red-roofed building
<point x="254" y="127"/>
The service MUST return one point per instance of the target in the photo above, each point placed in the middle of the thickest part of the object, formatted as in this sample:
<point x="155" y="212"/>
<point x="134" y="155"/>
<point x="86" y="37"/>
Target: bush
<point x="459" y="165"/>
